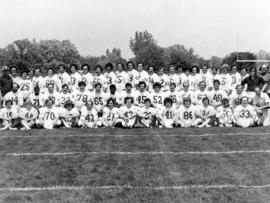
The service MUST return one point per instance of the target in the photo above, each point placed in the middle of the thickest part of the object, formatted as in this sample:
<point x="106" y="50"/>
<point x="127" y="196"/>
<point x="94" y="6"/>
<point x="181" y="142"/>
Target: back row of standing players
<point x="188" y="85"/>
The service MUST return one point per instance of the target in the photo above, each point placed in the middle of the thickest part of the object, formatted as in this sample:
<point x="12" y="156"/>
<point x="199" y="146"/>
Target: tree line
<point x="29" y="54"/>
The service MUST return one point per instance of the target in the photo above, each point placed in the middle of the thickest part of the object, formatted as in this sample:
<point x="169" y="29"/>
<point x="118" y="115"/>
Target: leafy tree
<point x="215" y="62"/>
<point x="146" y="50"/>
<point x="231" y="60"/>
<point x="178" y="55"/>
<point x="112" y="57"/>
<point x="26" y="54"/>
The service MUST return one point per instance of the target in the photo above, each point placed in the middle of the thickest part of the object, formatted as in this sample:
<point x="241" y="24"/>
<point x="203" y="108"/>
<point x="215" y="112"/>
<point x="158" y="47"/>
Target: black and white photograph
<point x="130" y="101"/>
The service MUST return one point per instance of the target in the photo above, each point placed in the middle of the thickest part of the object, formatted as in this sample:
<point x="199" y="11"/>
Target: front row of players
<point x="129" y="115"/>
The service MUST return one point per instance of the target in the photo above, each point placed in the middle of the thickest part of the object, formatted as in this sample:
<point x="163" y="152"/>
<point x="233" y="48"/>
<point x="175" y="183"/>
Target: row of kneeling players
<point x="131" y="116"/>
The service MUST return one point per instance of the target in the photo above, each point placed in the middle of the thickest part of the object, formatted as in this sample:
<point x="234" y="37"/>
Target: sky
<point x="210" y="27"/>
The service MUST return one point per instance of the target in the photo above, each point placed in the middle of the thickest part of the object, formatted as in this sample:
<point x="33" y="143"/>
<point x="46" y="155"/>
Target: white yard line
<point x="136" y="153"/>
<point x="132" y="135"/>
<point x="121" y="187"/>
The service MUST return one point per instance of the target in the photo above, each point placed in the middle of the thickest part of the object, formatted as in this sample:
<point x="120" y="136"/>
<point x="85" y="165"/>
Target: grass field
<point x="138" y="165"/>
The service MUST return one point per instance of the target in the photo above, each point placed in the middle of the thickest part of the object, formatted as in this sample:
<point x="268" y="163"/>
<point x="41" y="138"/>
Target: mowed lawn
<point x="138" y="175"/>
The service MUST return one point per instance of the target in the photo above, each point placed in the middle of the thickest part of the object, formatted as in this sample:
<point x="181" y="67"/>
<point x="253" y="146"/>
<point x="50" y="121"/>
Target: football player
<point x="28" y="115"/>
<point x="128" y="113"/>
<point x="110" y="114"/>
<point x="75" y="77"/>
<point x="225" y="114"/>
<point x="186" y="115"/>
<point x="9" y="116"/>
<point x="166" y="116"/>
<point x="147" y="114"/>
<point x="206" y="113"/>
<point x="87" y="77"/>
<point x="81" y="96"/>
<point x="89" y="116"/>
<point x="245" y="114"/>
<point x="217" y="95"/>
<point x="48" y="117"/>
<point x="69" y="116"/>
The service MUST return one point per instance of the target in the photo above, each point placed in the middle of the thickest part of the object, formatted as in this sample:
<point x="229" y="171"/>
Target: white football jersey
<point x="139" y="97"/>
<point x="64" y="78"/>
<point x="205" y="112"/>
<point x="152" y="78"/>
<point x="89" y="116"/>
<point x="17" y="98"/>
<point x="52" y="96"/>
<point x="245" y="116"/>
<point x="216" y="97"/>
<point x="75" y="78"/>
<point x="68" y="115"/>
<point x="35" y="99"/>
<point x="80" y="98"/>
<point x="28" y="115"/>
<point x="121" y="80"/>
<point x="49" y="115"/>
<point x="207" y="78"/>
<point x="187" y="115"/>
<point x="164" y="81"/>
<point x="54" y="80"/>
<point x="157" y="99"/>
<point x="235" y="98"/>
<point x="26" y="87"/>
<point x="133" y="76"/>
<point x="99" y="100"/>
<point x="8" y="114"/>
<point x="126" y="112"/>
<point x="226" y="82"/>
<point x="88" y="79"/>
<point x="63" y="97"/>
<point x="110" y="114"/>
<point x="198" y="95"/>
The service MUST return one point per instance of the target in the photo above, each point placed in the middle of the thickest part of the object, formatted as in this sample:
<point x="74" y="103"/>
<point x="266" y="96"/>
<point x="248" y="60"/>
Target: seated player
<point x="206" y="113"/>
<point x="147" y="114"/>
<point x="28" y="115"/>
<point x="69" y="116"/>
<point x="167" y="115"/>
<point x="186" y="115"/>
<point x="89" y="116"/>
<point x="48" y="117"/>
<point x="110" y="115"/>
<point x="245" y="114"/>
<point x="225" y="114"/>
<point x="9" y="116"/>
<point x="128" y="113"/>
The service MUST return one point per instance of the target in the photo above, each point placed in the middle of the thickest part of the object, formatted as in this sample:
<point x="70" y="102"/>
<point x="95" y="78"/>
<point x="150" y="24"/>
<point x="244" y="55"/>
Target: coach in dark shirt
<point x="6" y="81"/>
<point x="253" y="80"/>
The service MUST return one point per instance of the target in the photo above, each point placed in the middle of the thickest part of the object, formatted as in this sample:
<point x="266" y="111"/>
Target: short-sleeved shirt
<point x="252" y="83"/>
